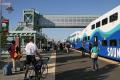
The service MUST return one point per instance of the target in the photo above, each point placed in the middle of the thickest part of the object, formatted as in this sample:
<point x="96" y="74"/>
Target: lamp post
<point x="9" y="8"/>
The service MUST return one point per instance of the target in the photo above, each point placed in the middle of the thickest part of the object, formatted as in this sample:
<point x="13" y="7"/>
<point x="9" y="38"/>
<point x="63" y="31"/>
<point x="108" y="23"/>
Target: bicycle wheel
<point x="44" y="70"/>
<point x="31" y="74"/>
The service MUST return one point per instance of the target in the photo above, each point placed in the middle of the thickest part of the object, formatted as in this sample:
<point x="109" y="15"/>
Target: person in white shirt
<point x="31" y="51"/>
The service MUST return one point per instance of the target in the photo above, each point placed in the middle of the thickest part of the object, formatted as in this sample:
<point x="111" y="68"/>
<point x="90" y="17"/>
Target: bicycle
<point x="39" y="71"/>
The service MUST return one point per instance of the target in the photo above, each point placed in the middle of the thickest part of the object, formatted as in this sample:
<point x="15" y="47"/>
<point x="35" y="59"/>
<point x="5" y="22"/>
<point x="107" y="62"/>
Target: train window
<point x="73" y="40"/>
<point x="84" y="38"/>
<point x="104" y="42"/>
<point x="113" y="42"/>
<point x="88" y="37"/>
<point x="78" y="40"/>
<point x="113" y="17"/>
<point x="93" y="26"/>
<point x="98" y="24"/>
<point x="104" y="21"/>
<point x="119" y="42"/>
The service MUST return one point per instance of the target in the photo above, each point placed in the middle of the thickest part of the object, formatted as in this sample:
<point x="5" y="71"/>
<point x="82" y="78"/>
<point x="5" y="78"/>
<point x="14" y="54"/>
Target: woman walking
<point x="94" y="56"/>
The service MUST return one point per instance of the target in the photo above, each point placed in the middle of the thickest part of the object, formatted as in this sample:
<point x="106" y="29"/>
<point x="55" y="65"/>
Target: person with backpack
<point x="94" y="56"/>
<point x="31" y="51"/>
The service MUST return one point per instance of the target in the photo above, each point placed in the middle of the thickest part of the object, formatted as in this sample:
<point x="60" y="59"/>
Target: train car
<point x="71" y="39"/>
<point x="105" y="33"/>
<point x="74" y="39"/>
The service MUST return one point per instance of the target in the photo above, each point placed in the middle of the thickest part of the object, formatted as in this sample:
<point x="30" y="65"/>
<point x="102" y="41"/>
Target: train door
<point x="96" y="40"/>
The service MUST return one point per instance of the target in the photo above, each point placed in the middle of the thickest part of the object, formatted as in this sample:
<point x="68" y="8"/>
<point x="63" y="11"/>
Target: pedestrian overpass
<point x="66" y="21"/>
<point x="36" y="20"/>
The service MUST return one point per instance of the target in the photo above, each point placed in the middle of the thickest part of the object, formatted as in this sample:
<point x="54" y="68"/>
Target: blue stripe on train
<point x="112" y="52"/>
<point x="105" y="51"/>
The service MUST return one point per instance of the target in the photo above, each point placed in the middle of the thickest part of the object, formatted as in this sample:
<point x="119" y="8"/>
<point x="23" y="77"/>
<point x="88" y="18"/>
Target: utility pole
<point x="9" y="8"/>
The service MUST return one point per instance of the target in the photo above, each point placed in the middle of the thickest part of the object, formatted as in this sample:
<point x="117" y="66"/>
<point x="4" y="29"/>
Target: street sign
<point x="5" y="25"/>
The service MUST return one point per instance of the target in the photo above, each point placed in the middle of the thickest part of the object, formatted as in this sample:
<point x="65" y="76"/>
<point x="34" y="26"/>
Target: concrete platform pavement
<point x="76" y="67"/>
<point x="63" y="66"/>
<point x="51" y="67"/>
<point x="20" y="74"/>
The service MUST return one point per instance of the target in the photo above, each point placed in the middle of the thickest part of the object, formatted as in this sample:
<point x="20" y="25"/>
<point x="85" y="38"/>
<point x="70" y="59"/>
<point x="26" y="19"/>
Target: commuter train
<point x="104" y="32"/>
<point x="74" y="39"/>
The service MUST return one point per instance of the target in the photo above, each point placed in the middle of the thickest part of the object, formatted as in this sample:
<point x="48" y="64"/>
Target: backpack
<point x="7" y="69"/>
<point x="38" y="65"/>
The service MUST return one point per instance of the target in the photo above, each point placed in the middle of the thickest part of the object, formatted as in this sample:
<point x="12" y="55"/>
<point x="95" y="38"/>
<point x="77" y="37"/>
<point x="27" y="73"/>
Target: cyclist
<point x="31" y="51"/>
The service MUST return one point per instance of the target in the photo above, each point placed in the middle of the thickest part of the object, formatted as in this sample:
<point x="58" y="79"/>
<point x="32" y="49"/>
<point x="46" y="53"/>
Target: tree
<point x="3" y="40"/>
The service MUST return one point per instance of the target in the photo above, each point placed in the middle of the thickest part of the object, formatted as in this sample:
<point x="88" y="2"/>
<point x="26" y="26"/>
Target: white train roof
<point x="88" y="31"/>
<point x="104" y="28"/>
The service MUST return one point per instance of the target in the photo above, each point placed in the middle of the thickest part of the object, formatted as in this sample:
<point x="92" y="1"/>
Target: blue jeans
<point x="95" y="63"/>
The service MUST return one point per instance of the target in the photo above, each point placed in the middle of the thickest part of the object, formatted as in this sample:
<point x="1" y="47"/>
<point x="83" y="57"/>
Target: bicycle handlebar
<point x="45" y="58"/>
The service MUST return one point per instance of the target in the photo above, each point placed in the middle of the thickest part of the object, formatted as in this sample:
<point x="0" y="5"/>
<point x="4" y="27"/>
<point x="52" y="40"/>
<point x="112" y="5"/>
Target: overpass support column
<point x="22" y="42"/>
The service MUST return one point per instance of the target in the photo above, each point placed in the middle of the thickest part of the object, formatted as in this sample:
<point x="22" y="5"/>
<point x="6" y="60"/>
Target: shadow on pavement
<point x="18" y="72"/>
<point x="65" y="59"/>
<point x="85" y="74"/>
<point x="64" y="52"/>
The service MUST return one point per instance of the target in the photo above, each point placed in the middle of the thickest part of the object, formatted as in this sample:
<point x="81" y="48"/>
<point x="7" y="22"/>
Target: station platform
<point x="71" y="66"/>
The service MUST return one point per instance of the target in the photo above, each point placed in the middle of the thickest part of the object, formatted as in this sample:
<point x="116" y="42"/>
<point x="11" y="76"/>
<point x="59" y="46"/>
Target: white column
<point x="22" y="42"/>
<point x="34" y="38"/>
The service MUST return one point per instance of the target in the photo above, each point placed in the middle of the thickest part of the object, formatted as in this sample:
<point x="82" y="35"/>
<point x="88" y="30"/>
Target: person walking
<point x="12" y="52"/>
<point x="83" y="49"/>
<point x="67" y="47"/>
<point x="90" y="47"/>
<point x="31" y="51"/>
<point x="94" y="56"/>
<point x="61" y="47"/>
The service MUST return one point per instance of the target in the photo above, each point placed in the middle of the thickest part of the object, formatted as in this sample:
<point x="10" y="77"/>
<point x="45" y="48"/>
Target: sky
<point x="54" y="7"/>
